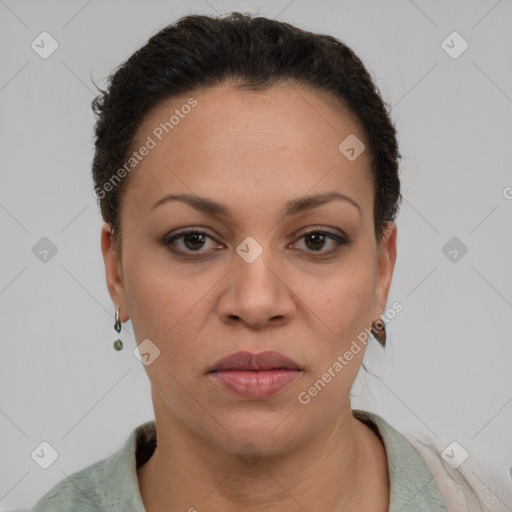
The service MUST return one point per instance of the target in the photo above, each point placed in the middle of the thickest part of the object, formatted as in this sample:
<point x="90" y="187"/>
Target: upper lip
<point x="269" y="360"/>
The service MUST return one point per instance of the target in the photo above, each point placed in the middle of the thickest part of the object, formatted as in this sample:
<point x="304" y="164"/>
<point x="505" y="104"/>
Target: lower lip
<point x="255" y="384"/>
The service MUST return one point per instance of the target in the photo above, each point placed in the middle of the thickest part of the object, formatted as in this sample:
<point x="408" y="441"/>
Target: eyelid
<point x="302" y="232"/>
<point x="340" y="241"/>
<point x="326" y="229"/>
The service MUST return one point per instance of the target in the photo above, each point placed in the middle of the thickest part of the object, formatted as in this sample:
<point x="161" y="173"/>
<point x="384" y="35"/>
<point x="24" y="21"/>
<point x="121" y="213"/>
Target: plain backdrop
<point x="447" y="369"/>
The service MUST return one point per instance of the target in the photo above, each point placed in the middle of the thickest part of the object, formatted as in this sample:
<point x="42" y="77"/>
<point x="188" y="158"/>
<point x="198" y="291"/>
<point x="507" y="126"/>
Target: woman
<point x="247" y="174"/>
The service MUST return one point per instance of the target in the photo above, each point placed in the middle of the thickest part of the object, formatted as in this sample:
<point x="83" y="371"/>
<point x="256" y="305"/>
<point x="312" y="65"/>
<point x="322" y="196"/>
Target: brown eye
<point x="316" y="240"/>
<point x="196" y="240"/>
<point x="191" y="242"/>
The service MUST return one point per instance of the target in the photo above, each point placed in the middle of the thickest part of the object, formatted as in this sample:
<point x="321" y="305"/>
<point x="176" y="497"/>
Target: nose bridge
<point x="256" y="276"/>
<point x="256" y="258"/>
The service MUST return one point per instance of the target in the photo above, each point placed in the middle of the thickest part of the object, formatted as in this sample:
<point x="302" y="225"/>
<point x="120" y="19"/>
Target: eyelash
<point x="340" y="241"/>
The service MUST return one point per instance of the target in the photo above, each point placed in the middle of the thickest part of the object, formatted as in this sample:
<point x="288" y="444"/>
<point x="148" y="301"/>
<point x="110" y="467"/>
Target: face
<point x="263" y="274"/>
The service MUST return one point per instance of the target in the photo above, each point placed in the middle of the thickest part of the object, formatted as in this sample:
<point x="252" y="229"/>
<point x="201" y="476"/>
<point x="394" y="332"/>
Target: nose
<point x="257" y="293"/>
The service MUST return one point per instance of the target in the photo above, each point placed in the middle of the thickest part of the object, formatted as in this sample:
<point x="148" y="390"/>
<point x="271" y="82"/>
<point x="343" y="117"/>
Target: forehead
<point x="223" y="141"/>
<point x="231" y="115"/>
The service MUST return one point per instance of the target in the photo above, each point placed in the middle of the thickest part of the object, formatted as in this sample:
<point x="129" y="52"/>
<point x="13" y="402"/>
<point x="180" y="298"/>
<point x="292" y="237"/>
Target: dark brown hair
<point x="254" y="53"/>
<point x="202" y="51"/>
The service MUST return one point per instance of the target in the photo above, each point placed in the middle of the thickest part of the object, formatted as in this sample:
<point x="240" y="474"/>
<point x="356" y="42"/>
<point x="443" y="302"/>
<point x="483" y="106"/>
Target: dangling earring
<point x="379" y="332"/>
<point x="118" y="344"/>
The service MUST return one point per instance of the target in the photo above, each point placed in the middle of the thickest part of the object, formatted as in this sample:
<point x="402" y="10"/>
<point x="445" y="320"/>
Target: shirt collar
<point x="121" y="484"/>
<point x="412" y="484"/>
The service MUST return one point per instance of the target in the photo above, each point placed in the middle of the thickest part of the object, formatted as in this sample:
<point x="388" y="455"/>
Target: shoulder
<point x="464" y="476"/>
<point x="463" y="479"/>
<point x="108" y="484"/>
<point x="80" y="492"/>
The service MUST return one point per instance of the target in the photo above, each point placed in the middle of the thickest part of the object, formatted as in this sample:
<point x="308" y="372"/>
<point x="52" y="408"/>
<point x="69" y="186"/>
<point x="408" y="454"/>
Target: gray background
<point x="446" y="371"/>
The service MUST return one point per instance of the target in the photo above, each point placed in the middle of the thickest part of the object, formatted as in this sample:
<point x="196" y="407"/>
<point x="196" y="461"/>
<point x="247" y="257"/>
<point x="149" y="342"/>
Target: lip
<point x="255" y="376"/>
<point x="269" y="360"/>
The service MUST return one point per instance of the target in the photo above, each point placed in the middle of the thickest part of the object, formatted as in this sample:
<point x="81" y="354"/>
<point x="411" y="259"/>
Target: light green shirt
<point x="111" y="484"/>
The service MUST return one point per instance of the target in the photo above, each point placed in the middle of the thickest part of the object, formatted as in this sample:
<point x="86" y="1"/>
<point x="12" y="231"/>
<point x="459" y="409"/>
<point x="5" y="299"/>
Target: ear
<point x="386" y="257"/>
<point x="113" y="272"/>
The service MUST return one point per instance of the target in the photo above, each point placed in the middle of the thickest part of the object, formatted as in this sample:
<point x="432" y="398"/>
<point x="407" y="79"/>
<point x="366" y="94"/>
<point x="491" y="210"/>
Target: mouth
<point x="269" y="360"/>
<point x="255" y="376"/>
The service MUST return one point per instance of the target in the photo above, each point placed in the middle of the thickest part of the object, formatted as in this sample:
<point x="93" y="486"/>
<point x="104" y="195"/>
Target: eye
<point x="316" y="239"/>
<point x="192" y="241"/>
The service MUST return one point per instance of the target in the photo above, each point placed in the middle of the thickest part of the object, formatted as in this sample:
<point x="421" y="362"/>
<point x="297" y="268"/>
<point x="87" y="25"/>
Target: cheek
<point x="344" y="306"/>
<point x="167" y="310"/>
<point x="150" y="300"/>
<point x="345" y="301"/>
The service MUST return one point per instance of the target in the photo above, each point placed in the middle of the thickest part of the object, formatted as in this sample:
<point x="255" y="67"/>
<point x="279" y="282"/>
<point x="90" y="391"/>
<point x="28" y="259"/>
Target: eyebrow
<point x="293" y="207"/>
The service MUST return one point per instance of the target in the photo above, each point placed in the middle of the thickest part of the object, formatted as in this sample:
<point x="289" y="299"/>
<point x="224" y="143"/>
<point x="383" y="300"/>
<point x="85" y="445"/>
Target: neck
<point x="343" y="468"/>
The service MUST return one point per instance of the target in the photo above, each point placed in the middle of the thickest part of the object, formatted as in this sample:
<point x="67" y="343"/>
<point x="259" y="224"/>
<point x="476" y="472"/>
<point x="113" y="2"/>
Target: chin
<point x="264" y="433"/>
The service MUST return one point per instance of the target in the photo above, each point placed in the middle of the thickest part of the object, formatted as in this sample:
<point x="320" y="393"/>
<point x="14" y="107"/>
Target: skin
<point x="253" y="152"/>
